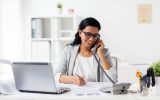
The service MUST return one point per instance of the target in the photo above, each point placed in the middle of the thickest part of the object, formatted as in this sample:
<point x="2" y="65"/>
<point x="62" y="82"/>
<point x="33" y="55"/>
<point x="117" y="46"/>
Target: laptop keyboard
<point x="63" y="90"/>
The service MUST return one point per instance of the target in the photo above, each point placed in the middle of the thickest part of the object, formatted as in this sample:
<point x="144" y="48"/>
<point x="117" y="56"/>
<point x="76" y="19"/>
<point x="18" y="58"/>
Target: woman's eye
<point x="89" y="34"/>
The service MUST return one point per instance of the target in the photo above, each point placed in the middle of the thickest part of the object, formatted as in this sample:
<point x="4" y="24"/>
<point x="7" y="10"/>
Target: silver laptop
<point x="35" y="77"/>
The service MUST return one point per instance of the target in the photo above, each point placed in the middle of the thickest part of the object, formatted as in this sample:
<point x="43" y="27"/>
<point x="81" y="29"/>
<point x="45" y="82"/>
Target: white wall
<point x="12" y="29"/>
<point x="11" y="32"/>
<point x="122" y="34"/>
<point x="0" y="36"/>
<point x="0" y="29"/>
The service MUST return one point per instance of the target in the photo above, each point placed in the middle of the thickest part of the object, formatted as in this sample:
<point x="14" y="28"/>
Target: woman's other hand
<point x="79" y="81"/>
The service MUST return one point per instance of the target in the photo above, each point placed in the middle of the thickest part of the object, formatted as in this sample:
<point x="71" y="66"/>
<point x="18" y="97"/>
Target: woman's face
<point x="89" y="36"/>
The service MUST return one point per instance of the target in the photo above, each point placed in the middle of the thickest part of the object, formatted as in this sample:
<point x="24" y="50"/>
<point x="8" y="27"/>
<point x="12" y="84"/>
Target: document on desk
<point x="4" y="61"/>
<point x="7" y="87"/>
<point x="91" y="88"/>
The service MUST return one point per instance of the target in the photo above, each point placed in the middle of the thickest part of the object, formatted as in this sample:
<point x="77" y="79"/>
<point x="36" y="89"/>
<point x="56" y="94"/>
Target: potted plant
<point x="156" y="68"/>
<point x="59" y="7"/>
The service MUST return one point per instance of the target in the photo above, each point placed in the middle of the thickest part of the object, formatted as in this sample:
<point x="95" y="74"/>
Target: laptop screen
<point x="34" y="76"/>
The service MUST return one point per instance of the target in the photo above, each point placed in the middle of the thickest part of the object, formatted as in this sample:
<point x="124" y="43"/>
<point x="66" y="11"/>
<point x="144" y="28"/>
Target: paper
<point x="91" y="88"/>
<point x="4" y="61"/>
<point x="7" y="87"/>
<point x="85" y="92"/>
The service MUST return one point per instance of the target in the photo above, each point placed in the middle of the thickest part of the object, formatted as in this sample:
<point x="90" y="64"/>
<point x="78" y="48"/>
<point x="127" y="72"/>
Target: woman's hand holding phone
<point x="100" y="46"/>
<point x="106" y="65"/>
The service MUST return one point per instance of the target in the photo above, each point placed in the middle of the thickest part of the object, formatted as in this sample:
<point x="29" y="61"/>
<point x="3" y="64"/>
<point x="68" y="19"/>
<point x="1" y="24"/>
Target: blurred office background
<point x="130" y="31"/>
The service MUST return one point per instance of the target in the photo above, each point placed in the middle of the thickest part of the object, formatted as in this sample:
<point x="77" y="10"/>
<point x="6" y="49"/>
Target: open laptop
<point x="35" y="77"/>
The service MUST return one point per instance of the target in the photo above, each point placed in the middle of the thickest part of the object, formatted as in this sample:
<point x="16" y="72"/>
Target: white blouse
<point x="84" y="67"/>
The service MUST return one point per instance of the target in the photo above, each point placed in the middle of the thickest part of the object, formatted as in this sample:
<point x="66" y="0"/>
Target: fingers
<point x="100" y="42"/>
<point x="79" y="81"/>
<point x="100" y="46"/>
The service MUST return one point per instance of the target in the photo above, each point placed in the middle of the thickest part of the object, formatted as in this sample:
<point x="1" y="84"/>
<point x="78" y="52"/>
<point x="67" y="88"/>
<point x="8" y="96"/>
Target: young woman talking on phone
<point x="77" y="64"/>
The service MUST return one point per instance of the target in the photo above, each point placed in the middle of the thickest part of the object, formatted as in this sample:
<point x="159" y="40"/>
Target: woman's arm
<point x="61" y="69"/>
<point x="72" y="80"/>
<point x="104" y="61"/>
<point x="102" y="56"/>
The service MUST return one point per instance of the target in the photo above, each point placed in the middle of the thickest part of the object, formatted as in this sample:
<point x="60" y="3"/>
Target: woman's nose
<point x="91" y="38"/>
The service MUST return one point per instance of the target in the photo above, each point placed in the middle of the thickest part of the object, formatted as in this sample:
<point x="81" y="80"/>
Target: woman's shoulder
<point x="70" y="48"/>
<point x="106" y="50"/>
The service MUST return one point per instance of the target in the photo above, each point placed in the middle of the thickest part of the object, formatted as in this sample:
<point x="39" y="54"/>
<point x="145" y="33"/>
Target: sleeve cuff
<point x="57" y="77"/>
<point x="111" y="72"/>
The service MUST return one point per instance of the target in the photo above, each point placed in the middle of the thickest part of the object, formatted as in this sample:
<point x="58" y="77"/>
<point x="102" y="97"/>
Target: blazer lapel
<point x="73" y="58"/>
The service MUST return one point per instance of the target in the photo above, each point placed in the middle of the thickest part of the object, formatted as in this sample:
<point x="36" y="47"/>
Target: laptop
<point x="36" y="77"/>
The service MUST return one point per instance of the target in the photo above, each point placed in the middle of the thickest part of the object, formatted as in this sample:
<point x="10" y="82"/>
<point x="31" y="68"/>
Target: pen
<point x="107" y="91"/>
<point x="83" y="80"/>
<point x="79" y="76"/>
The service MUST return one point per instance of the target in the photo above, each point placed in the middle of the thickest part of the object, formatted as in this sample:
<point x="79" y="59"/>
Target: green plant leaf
<point x="59" y="5"/>
<point x="156" y="68"/>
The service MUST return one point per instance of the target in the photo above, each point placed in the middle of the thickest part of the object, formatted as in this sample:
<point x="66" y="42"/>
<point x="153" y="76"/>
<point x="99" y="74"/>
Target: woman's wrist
<point x="100" y="54"/>
<point x="67" y="79"/>
<point x="103" y="60"/>
<point x="73" y="79"/>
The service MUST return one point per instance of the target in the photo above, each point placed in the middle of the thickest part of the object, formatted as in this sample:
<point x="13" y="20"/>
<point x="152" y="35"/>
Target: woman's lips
<point x="90" y="43"/>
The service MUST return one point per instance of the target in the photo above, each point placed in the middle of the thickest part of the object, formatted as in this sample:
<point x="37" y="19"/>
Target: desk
<point x="72" y="95"/>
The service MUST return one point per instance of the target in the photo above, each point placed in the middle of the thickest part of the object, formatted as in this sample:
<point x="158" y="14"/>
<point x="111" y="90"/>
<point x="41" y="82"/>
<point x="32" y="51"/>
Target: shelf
<point x="41" y="27"/>
<point x="41" y="50"/>
<point x="50" y="35"/>
<point x="41" y="39"/>
<point x="66" y="34"/>
<point x="66" y="31"/>
<point x="63" y="39"/>
<point x="64" y="16"/>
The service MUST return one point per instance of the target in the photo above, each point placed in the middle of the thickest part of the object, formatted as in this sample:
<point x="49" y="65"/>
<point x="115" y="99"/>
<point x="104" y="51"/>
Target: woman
<point x="77" y="65"/>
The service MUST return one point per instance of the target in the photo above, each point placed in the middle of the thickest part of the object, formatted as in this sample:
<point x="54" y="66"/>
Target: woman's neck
<point x="84" y="51"/>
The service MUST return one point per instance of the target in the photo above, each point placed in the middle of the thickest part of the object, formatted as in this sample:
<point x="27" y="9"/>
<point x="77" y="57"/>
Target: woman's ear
<point x="79" y="32"/>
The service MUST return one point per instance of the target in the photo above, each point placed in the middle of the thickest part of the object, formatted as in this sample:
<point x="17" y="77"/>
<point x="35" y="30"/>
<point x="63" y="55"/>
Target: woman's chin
<point x="88" y="46"/>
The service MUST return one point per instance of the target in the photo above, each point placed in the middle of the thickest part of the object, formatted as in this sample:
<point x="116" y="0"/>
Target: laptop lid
<point x="34" y="77"/>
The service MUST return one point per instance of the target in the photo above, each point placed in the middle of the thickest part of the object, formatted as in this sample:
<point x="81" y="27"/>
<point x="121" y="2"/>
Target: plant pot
<point x="156" y="88"/>
<point x="59" y="10"/>
<point x="157" y="80"/>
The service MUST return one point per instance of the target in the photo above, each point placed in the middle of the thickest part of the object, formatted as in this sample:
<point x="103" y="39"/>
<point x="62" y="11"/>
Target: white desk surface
<point x="90" y="91"/>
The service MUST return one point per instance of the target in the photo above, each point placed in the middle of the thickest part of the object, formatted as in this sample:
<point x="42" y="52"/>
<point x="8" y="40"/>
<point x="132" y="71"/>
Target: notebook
<point x="35" y="77"/>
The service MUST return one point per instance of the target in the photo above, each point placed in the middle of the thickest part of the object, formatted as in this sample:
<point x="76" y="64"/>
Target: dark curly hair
<point x="83" y="24"/>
